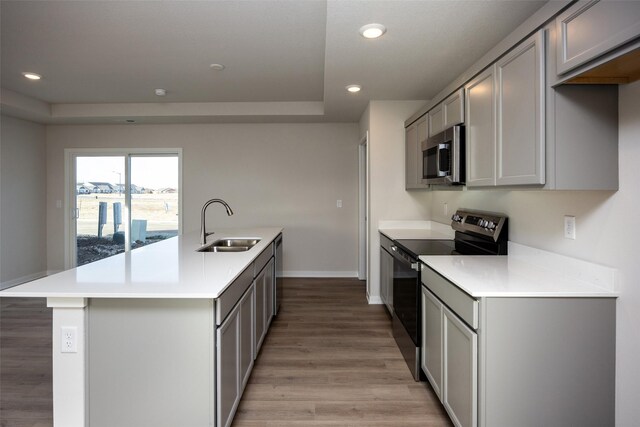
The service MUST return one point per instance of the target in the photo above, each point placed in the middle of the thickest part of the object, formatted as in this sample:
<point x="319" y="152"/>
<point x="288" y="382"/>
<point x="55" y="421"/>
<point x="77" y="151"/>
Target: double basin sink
<point x="230" y="245"/>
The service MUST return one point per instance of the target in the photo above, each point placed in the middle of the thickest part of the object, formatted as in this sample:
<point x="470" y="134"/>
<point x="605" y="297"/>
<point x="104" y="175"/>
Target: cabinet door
<point x="269" y="286"/>
<point x="228" y="368"/>
<point x="481" y="129"/>
<point x="431" y="356"/>
<point x="454" y="109"/>
<point x="589" y="29"/>
<point x="246" y="335"/>
<point x="260" y="326"/>
<point x="411" y="165"/>
<point x="460" y="388"/>
<point x="414" y="135"/>
<point x="520" y="138"/>
<point x="386" y="279"/>
<point x="436" y="120"/>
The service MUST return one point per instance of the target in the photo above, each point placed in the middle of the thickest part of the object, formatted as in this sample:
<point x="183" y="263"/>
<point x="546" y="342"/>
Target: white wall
<point x="388" y="199"/>
<point x="22" y="201"/>
<point x="286" y="175"/>
<point x="606" y="234"/>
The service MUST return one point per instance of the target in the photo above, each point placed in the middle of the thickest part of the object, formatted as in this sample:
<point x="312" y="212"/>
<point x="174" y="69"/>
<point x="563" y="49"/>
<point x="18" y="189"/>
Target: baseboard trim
<point x="349" y="274"/>
<point x="374" y="300"/>
<point x="24" y="279"/>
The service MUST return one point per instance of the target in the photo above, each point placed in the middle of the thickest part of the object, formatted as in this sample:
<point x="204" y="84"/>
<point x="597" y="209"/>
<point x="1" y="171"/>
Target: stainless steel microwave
<point x="443" y="157"/>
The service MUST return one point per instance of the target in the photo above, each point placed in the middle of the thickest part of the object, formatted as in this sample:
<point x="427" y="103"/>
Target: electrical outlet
<point x="69" y="339"/>
<point x="569" y="227"/>
<point x="445" y="209"/>
<point x="339" y="203"/>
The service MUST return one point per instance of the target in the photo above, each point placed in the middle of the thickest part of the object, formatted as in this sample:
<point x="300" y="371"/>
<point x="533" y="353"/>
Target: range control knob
<point x="456" y="218"/>
<point x="491" y="225"/>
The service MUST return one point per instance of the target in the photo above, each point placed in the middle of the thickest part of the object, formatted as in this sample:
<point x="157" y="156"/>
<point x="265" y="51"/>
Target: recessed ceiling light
<point x="32" y="76"/>
<point x="161" y="92"/>
<point x="372" y="31"/>
<point x="217" y="67"/>
<point x="354" y="88"/>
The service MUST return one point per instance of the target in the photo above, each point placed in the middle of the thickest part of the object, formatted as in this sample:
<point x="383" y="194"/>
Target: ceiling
<point x="285" y="60"/>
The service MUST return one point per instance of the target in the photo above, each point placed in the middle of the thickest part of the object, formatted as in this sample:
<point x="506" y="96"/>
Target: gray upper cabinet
<point x="453" y="108"/>
<point x="414" y="135"/>
<point x="481" y="129"/>
<point x="505" y="112"/>
<point x="589" y="29"/>
<point x="436" y="119"/>
<point x="520" y="132"/>
<point x="447" y="113"/>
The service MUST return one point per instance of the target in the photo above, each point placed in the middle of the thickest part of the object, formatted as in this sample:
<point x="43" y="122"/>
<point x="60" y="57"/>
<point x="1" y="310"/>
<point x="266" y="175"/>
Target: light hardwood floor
<point x="329" y="360"/>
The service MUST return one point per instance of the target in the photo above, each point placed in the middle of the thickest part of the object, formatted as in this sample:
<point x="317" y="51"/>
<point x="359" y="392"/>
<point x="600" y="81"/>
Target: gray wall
<point x="388" y="200"/>
<point x="22" y="201"/>
<point x="286" y="175"/>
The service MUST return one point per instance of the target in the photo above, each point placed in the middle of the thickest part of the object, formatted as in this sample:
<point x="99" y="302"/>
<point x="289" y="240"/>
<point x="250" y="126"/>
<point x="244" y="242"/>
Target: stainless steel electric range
<point x="476" y="233"/>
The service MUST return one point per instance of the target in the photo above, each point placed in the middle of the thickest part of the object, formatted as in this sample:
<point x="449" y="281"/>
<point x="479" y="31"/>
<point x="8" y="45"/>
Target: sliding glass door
<point x="121" y="201"/>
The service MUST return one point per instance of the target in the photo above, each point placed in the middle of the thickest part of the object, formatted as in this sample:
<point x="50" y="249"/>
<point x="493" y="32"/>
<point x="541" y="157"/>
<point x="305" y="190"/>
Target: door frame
<point x="363" y="207"/>
<point x="70" y="155"/>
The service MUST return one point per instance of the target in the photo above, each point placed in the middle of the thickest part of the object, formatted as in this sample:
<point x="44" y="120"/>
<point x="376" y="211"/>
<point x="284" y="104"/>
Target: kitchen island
<point x="160" y="336"/>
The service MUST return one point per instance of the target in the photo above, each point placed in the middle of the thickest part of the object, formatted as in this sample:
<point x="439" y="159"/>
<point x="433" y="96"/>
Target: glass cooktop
<point x="417" y="247"/>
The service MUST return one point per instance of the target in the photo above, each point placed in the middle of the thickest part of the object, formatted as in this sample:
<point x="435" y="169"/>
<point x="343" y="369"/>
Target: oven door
<point x="406" y="306"/>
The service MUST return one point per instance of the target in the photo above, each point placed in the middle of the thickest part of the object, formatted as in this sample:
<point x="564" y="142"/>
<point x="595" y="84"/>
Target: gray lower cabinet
<point x="235" y="356"/>
<point x="460" y="370"/>
<point x="386" y="272"/>
<point x="264" y="286"/>
<point x="450" y="360"/>
<point x="530" y="361"/>
<point x="431" y="346"/>
<point x="228" y="356"/>
<point x="247" y="332"/>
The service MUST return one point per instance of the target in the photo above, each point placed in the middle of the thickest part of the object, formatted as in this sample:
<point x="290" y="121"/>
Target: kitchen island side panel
<point x="151" y="362"/>
<point x="547" y="361"/>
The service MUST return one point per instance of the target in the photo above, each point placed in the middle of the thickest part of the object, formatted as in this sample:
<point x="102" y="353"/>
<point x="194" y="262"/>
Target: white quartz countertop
<point x="525" y="272"/>
<point x="167" y="269"/>
<point x="427" y="230"/>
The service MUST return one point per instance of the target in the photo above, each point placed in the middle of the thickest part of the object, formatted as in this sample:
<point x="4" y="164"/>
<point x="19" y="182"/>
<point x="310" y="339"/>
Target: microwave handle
<point x="439" y="171"/>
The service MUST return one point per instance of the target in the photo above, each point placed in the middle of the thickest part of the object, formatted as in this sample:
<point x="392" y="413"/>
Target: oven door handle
<point x="404" y="258"/>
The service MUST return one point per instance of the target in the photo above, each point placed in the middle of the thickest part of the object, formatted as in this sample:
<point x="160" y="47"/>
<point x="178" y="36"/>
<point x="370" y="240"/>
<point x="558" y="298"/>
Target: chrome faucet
<point x="203" y="227"/>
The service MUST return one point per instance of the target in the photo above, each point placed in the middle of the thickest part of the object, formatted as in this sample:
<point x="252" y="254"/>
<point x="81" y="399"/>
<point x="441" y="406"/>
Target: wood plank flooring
<point x="328" y="360"/>
<point x="25" y="363"/>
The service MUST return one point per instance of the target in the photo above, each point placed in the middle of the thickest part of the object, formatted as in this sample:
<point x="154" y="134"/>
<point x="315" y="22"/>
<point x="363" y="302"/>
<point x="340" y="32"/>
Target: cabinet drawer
<point x="232" y="294"/>
<point x="262" y="260"/>
<point x="456" y="299"/>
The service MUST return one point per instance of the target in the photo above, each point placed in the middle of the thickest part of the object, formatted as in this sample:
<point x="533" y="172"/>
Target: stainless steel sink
<point x="230" y="245"/>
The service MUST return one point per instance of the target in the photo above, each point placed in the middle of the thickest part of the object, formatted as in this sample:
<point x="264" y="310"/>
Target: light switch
<point x="339" y="203"/>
